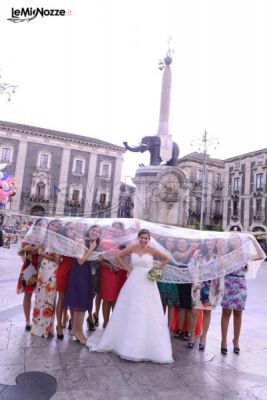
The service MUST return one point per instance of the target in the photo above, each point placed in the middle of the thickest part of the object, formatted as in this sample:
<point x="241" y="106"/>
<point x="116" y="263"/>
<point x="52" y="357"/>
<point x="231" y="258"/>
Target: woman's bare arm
<point x="119" y="257"/>
<point x="159" y="254"/>
<point x="88" y="253"/>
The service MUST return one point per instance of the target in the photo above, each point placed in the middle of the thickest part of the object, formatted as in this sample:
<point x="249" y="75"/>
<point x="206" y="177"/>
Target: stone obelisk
<point x="162" y="190"/>
<point x="163" y="129"/>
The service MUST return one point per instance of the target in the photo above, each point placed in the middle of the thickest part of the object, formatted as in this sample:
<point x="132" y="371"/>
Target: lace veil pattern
<point x="194" y="256"/>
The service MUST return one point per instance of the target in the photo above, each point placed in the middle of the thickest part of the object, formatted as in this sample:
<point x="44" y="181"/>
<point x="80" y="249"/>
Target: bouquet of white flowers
<point x="154" y="274"/>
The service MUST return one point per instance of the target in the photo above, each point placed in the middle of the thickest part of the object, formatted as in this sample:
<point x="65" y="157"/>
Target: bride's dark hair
<point x="144" y="232"/>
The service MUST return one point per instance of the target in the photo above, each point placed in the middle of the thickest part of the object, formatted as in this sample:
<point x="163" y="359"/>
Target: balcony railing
<point x="106" y="177"/>
<point x="196" y="211"/>
<point x="258" y="192"/>
<point x="43" y="168"/>
<point x="218" y="186"/>
<point x="102" y="206"/>
<point x="217" y="215"/>
<point x="38" y="199"/>
<point x="74" y="203"/>
<point x="236" y="191"/>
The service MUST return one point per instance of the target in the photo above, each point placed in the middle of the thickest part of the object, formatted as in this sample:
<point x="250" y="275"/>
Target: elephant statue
<point x="152" y="144"/>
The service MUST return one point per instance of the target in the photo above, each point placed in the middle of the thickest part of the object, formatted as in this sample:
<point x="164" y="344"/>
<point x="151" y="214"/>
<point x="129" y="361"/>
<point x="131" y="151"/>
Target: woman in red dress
<point x="62" y="276"/>
<point x="111" y="279"/>
<point x="119" y="231"/>
<point x="109" y="288"/>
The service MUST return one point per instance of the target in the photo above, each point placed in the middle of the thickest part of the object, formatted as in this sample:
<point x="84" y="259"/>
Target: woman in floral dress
<point x="28" y="278"/>
<point x="234" y="298"/>
<point x="206" y="295"/>
<point x="29" y="272"/>
<point x="45" y="299"/>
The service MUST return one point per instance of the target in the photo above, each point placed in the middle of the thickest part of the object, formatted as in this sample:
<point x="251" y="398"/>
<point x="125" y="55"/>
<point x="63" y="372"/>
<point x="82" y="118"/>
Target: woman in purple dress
<point x="79" y="296"/>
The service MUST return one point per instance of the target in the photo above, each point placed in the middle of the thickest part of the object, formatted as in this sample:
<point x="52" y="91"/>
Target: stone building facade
<point x="235" y="194"/>
<point x="245" y="191"/>
<point x="60" y="173"/>
<point x="193" y="165"/>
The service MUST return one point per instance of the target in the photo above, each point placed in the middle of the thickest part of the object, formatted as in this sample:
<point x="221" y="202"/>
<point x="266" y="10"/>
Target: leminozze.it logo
<point x="29" y="13"/>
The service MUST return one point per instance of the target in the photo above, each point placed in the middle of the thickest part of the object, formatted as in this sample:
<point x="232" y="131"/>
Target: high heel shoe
<point x="69" y="325"/>
<point x="65" y="322"/>
<point x="179" y="334"/>
<point x="201" y="347"/>
<point x="224" y="351"/>
<point x="186" y="336"/>
<point x="96" y="320"/>
<point x="236" y="349"/>
<point x="60" y="336"/>
<point x="81" y="341"/>
<point x="190" y="345"/>
<point x="90" y="324"/>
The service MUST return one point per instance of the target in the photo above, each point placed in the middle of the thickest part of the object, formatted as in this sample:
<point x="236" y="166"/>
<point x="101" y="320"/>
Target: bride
<point x="138" y="330"/>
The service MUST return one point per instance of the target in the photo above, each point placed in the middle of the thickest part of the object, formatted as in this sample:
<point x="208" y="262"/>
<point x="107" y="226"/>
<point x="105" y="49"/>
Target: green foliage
<point x="197" y="225"/>
<point x="218" y="228"/>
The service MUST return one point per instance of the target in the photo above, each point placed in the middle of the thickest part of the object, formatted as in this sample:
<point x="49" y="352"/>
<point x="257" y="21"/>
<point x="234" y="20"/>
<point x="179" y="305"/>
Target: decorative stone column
<point x="63" y="179"/>
<point x="162" y="195"/>
<point x="90" y="185"/>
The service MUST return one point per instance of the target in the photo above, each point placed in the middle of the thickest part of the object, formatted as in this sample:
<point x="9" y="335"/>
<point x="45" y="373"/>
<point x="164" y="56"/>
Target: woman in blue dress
<point x="79" y="296"/>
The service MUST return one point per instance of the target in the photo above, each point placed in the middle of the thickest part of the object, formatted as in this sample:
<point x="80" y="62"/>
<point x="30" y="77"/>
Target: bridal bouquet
<point x="154" y="274"/>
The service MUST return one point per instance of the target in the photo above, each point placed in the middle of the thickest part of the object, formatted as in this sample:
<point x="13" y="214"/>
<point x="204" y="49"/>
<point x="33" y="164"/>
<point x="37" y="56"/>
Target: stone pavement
<point x="82" y="375"/>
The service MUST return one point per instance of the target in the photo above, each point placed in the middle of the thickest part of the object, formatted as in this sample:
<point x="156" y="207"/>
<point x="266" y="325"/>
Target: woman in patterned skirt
<point x="29" y="272"/>
<point x="234" y="299"/>
<point x="28" y="278"/>
<point x="206" y="295"/>
<point x="45" y="299"/>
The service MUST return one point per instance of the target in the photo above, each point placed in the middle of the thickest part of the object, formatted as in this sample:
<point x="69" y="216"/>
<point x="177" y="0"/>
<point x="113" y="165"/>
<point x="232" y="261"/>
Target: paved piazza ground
<point x="83" y="375"/>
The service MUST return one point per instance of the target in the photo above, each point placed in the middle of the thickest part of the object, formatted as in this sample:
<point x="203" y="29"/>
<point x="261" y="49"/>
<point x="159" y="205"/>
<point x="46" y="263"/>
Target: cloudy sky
<point x="95" y="72"/>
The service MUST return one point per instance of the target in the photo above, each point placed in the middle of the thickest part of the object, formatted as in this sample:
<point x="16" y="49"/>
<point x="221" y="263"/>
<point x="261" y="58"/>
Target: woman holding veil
<point x="138" y="329"/>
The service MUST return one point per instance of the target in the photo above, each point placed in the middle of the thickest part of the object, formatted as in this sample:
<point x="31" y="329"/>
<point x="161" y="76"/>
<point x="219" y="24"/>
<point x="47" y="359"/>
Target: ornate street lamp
<point x="204" y="144"/>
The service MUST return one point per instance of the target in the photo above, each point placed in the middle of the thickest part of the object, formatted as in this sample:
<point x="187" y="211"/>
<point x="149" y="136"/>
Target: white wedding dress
<point x="137" y="329"/>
